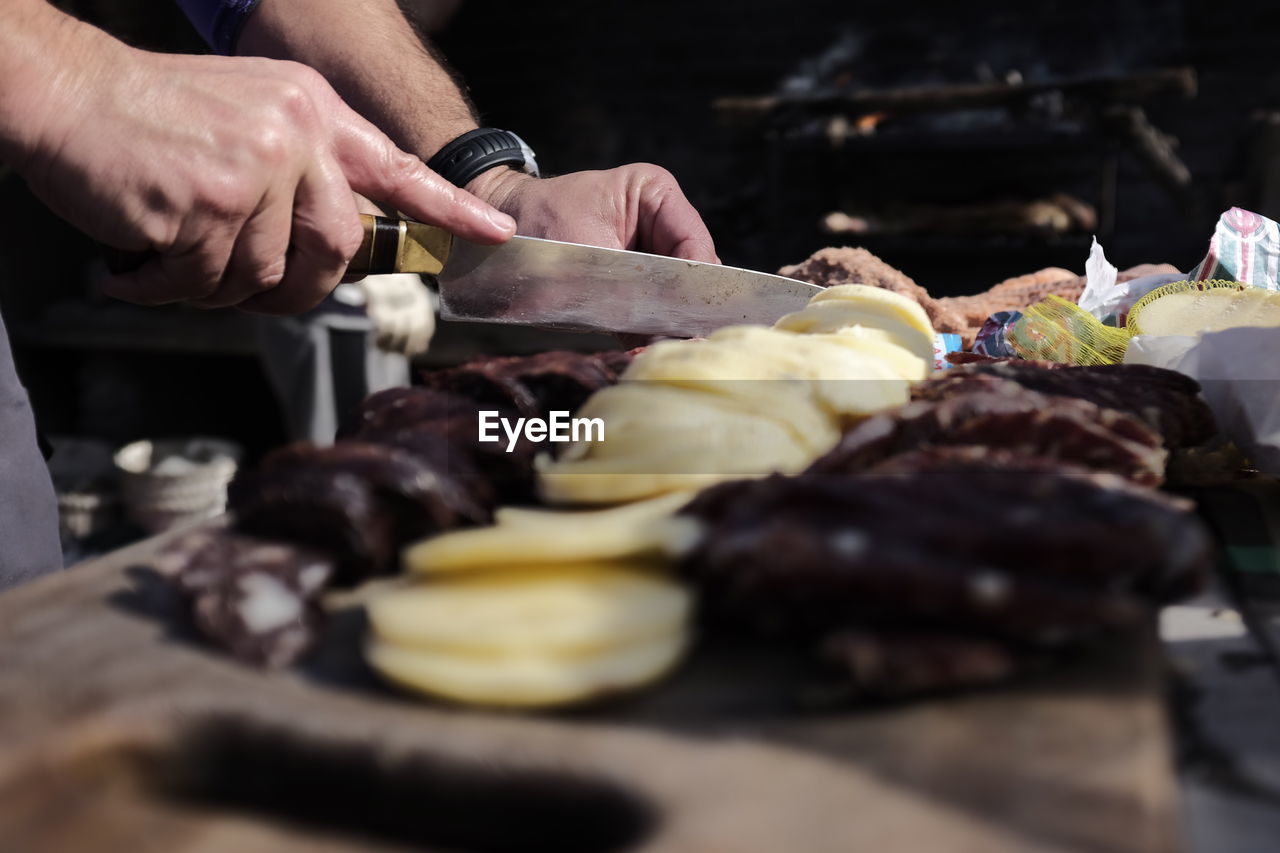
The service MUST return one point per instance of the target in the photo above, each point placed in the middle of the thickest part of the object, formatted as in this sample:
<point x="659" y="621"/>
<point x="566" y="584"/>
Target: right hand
<point x="238" y="173"/>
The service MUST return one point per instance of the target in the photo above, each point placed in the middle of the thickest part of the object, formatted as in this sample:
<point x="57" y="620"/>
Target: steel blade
<point x="532" y="282"/>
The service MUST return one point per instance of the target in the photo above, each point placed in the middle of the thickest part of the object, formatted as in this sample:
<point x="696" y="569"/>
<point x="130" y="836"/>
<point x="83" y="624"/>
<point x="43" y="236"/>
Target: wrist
<point x="500" y="187"/>
<point x="50" y="61"/>
<point x="371" y="68"/>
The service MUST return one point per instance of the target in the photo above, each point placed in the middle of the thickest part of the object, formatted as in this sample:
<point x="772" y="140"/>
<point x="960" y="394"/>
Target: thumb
<point x="675" y="228"/>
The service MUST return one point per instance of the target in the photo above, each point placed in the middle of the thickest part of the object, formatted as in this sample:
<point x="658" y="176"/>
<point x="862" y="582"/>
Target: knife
<point x="529" y="281"/>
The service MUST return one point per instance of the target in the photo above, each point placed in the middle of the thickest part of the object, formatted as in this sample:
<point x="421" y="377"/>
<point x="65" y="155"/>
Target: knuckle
<point x="158" y="216"/>
<point x="159" y="230"/>
<point x="233" y="198"/>
<point x="270" y="145"/>
<point x="401" y="167"/>
<point x="303" y="74"/>
<point x="269" y="275"/>
<point x="295" y="103"/>
<point x="338" y="245"/>
<point x="205" y="271"/>
<point x="349" y="240"/>
<point x="223" y="191"/>
<point x="656" y="174"/>
<point x="261" y="65"/>
<point x="332" y="244"/>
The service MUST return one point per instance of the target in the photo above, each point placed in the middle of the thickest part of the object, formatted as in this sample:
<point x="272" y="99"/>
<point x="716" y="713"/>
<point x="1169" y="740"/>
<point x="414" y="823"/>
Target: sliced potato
<point x="904" y="307"/>
<point x="748" y="400"/>
<point x="767" y="370"/>
<point x="540" y="537"/>
<point x="611" y="481"/>
<point x="507" y="516"/>
<point x="655" y="417"/>
<point x="875" y="343"/>
<point x="527" y="681"/>
<point x="556" y="611"/>
<point x="838" y="316"/>
<point x="596" y="481"/>
<point x="758" y="353"/>
<point x="660" y="438"/>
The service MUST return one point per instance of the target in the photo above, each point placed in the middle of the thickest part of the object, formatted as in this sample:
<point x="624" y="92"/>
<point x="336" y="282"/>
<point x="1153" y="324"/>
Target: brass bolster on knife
<point x="379" y="251"/>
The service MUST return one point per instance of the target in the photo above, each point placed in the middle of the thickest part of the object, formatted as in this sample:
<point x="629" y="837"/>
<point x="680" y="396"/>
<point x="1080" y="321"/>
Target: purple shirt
<point x="219" y="21"/>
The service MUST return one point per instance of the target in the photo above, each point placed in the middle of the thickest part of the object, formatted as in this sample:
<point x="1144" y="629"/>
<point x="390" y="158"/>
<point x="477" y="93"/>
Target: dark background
<point x="592" y="85"/>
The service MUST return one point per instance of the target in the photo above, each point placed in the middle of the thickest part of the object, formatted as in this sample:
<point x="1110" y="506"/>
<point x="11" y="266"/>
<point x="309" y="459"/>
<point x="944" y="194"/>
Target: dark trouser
<point x="28" y="510"/>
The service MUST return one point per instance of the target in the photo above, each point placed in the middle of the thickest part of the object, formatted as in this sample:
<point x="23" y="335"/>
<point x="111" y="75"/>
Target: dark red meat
<point x="531" y="385"/>
<point x="1002" y="415"/>
<point x="1167" y="401"/>
<point x="355" y="499"/>
<point x="454" y="422"/>
<point x="256" y="599"/>
<point x="1021" y="554"/>
<point x="893" y="664"/>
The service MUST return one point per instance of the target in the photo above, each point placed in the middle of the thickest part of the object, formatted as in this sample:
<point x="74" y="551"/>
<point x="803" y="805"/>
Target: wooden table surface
<point x="120" y="731"/>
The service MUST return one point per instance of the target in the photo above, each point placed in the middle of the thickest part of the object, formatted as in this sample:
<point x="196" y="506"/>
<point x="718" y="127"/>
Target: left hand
<point x="639" y="207"/>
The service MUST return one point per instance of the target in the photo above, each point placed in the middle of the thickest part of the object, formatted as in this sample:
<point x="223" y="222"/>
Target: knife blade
<point x="530" y="281"/>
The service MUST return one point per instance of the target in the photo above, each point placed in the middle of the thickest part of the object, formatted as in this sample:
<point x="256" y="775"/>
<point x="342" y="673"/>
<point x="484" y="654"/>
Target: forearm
<point x="370" y="54"/>
<point x="45" y="58"/>
<point x="373" y="58"/>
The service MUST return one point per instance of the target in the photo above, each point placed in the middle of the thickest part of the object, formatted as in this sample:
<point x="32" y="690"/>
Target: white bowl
<point x="174" y="481"/>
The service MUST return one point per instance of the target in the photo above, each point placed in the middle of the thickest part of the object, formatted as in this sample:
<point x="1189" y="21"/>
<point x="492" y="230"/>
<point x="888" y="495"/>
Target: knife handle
<point x="379" y="252"/>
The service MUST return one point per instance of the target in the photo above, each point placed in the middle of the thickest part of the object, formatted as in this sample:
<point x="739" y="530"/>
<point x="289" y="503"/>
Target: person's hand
<point x="636" y="207"/>
<point x="237" y="172"/>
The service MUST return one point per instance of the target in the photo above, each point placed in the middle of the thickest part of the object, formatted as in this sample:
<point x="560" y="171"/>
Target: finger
<point x="695" y="249"/>
<point x="375" y="167"/>
<point x="365" y="206"/>
<point x="185" y="275"/>
<point x="149" y="284"/>
<point x="324" y="236"/>
<point x="258" y="260"/>
<point x="675" y="228"/>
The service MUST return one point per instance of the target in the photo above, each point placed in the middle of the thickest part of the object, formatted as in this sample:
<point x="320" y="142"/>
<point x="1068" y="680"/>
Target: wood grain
<point x="119" y="731"/>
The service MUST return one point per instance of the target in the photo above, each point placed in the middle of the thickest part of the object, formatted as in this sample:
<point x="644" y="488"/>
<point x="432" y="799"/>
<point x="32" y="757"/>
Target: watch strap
<point x="477" y="151"/>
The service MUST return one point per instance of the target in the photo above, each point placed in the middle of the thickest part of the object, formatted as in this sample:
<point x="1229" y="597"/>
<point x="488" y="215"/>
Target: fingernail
<point x="502" y="221"/>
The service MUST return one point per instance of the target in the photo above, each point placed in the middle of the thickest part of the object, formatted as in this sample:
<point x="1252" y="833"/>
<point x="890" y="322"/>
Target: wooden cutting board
<point x="119" y="731"/>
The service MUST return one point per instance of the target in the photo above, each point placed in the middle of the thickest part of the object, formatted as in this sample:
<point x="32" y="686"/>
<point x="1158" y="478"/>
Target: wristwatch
<point x="477" y="151"/>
